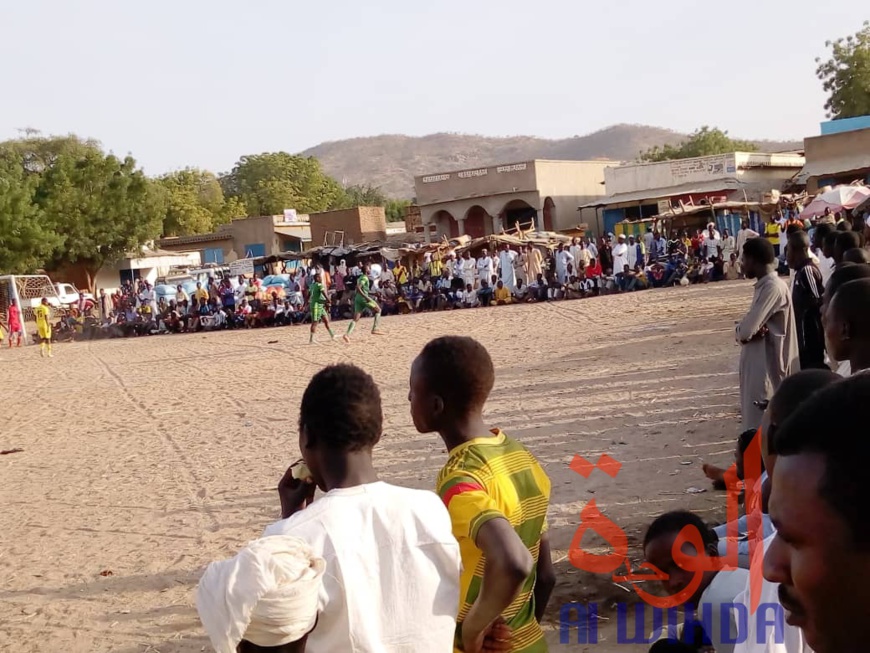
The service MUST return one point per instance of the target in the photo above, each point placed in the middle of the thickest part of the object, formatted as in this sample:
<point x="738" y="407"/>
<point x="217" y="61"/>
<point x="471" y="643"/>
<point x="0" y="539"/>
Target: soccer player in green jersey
<point x="361" y="301"/>
<point x="319" y="304"/>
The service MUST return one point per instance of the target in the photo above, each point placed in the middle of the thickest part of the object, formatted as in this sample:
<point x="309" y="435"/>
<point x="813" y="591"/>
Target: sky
<point x="195" y="83"/>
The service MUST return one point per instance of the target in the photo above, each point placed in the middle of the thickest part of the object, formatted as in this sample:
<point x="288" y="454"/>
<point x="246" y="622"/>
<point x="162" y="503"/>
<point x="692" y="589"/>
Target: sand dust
<point x="144" y="459"/>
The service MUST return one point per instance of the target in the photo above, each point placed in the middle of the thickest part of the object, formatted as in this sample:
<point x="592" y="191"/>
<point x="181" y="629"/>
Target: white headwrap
<point x="266" y="595"/>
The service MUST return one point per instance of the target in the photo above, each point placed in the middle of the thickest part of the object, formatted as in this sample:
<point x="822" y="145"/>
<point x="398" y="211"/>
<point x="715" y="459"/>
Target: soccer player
<point x="319" y="304"/>
<point x="14" y="329"/>
<point x="361" y="301"/>
<point x="496" y="493"/>
<point x="42" y="313"/>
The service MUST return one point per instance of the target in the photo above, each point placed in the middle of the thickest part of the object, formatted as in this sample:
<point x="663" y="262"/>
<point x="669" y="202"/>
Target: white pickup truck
<point x="68" y="294"/>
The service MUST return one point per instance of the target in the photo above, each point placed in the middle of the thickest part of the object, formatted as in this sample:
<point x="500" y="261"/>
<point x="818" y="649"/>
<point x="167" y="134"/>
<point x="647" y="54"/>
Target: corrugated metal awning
<point x="833" y="167"/>
<point x="669" y="191"/>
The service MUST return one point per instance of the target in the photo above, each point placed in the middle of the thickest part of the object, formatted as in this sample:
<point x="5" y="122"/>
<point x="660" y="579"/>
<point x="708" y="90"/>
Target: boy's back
<point x="391" y="558"/>
<point x="487" y="478"/>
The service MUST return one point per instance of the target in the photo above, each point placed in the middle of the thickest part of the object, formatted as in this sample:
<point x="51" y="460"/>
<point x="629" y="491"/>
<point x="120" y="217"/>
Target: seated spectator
<point x="716" y="590"/>
<point x="484" y="293"/>
<point x="501" y="294"/>
<point x="555" y="289"/>
<point x="574" y="289"/>
<point x="538" y="289"/>
<point x="521" y="292"/>
<point x="470" y="298"/>
<point x="389" y="297"/>
<point x="243" y="312"/>
<point x="718" y="271"/>
<point x="732" y="268"/>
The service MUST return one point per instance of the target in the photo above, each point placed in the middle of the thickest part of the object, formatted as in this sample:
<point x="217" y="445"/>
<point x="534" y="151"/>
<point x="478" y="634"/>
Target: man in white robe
<point x="506" y="267"/>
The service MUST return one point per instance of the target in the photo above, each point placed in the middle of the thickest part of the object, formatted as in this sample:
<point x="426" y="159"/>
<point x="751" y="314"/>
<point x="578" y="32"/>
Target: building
<point x="840" y="155"/>
<point x="350" y="226"/>
<point x="642" y="190"/>
<point x="148" y="265"/>
<point x="487" y="200"/>
<point x="266" y="235"/>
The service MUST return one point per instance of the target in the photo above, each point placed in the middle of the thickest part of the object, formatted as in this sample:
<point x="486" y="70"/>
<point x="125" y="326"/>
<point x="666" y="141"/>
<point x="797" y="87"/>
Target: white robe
<point x="484" y="269"/>
<point x="620" y="257"/>
<point x="506" y="269"/>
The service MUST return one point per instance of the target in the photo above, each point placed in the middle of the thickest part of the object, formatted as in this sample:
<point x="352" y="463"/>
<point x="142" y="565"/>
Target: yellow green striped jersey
<point x="492" y="477"/>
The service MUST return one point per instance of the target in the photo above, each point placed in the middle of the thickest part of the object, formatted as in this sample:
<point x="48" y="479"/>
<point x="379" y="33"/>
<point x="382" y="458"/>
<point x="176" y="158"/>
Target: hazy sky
<point x="190" y="82"/>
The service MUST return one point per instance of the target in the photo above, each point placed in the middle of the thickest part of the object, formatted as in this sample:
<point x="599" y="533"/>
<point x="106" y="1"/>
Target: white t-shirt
<point x="726" y="586"/>
<point x="392" y="569"/>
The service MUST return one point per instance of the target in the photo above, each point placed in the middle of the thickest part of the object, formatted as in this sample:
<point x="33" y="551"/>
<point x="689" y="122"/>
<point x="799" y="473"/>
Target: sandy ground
<point x="145" y="459"/>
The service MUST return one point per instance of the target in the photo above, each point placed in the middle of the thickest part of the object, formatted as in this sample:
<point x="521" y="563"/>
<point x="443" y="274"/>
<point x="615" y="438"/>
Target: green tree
<point x="395" y="210"/>
<point x="195" y="203"/>
<point x="25" y="242"/>
<point x="846" y="75"/>
<point x="703" y="142"/>
<point x="270" y="182"/>
<point x="101" y="207"/>
<point x="364" y="195"/>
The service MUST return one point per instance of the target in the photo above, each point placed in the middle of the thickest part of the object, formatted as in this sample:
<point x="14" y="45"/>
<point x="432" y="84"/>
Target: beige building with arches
<point x="482" y="201"/>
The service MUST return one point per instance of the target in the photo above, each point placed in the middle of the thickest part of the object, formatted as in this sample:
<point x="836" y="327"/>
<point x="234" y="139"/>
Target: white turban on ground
<point x="267" y="594"/>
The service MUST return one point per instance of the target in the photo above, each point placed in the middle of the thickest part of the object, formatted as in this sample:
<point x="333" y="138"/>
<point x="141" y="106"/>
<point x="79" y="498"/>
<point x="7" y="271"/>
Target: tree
<point x="270" y="182"/>
<point x="395" y="210"/>
<point x="364" y="195"/>
<point x="846" y="75"/>
<point x="195" y="203"/>
<point x="703" y="142"/>
<point x="25" y="242"/>
<point x="101" y="207"/>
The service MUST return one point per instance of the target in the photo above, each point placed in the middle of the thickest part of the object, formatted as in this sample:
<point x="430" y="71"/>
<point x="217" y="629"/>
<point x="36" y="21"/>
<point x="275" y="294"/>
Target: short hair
<point x="856" y="255"/>
<point x="675" y="521"/>
<point x="799" y="239"/>
<point x="459" y="370"/>
<point x="831" y="424"/>
<point x="759" y="249"/>
<point x="341" y="409"/>
<point x="822" y="231"/>
<point x="745" y="439"/>
<point x="847" y="240"/>
<point x="830" y="238"/>
<point x="853" y="303"/>
<point x="793" y="228"/>
<point x="800" y="386"/>
<point x="843" y="275"/>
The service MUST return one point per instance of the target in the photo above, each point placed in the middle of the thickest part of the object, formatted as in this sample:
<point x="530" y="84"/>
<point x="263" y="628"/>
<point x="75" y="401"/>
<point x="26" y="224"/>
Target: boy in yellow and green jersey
<point x="497" y="495"/>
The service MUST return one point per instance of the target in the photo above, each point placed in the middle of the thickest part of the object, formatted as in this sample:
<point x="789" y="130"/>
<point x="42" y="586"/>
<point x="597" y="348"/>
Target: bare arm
<point x="508" y="564"/>
<point x="545" y="579"/>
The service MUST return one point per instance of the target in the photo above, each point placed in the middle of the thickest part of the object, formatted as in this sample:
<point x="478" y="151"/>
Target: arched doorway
<point x="476" y="220"/>
<point x="447" y="224"/>
<point x="518" y="212"/>
<point x="549" y="214"/>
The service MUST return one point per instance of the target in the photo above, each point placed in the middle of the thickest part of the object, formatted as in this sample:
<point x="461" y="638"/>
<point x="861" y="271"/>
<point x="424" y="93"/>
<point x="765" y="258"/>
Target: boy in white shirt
<point x="392" y="564"/>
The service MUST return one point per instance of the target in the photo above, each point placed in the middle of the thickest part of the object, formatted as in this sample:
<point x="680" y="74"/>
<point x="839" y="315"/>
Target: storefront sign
<point x="434" y="178"/>
<point x="519" y="167"/>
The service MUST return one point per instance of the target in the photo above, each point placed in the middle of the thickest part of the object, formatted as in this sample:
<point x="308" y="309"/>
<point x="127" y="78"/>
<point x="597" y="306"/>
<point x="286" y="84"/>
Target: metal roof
<point x="668" y="191"/>
<point x="831" y="167"/>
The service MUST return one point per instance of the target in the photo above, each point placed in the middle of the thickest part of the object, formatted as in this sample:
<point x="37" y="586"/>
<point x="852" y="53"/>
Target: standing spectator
<point x="767" y="334"/>
<point x="648" y="238"/>
<point x="771" y="233"/>
<point x="563" y="258"/>
<point x="743" y="235"/>
<point x="807" y="300"/>
<point x="200" y="294"/>
<point x="534" y="263"/>
<point x="228" y="296"/>
<point x="633" y="251"/>
<point x="506" y="267"/>
<point x="484" y="267"/>
<point x="620" y="258"/>
<point x="712" y="243"/>
<point x="729" y="243"/>
<point x="590" y="246"/>
<point x="826" y="263"/>
<point x="605" y="255"/>
<point x="469" y="268"/>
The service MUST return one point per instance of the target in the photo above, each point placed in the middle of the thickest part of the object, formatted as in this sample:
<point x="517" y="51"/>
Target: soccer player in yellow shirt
<point x="42" y="313"/>
<point x="497" y="495"/>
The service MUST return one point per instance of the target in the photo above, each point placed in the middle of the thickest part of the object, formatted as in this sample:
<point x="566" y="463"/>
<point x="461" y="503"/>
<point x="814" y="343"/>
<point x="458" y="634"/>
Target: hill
<point x="392" y="161"/>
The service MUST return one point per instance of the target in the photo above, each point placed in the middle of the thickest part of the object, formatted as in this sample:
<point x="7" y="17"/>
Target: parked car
<point x="68" y="294"/>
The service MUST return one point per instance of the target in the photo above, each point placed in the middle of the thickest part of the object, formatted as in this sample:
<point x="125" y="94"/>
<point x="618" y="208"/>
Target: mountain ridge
<point x="391" y="161"/>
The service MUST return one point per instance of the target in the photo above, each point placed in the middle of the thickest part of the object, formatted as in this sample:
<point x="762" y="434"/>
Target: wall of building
<point x="845" y="125"/>
<point x="647" y="176"/>
<point x="476" y="182"/>
<point x="469" y="210"/>
<point x="841" y="157"/>
<point x="361" y="224"/>
<point x="570" y="184"/>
